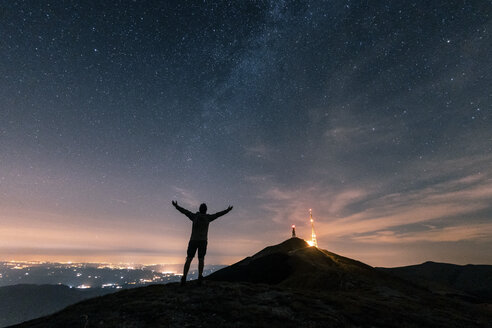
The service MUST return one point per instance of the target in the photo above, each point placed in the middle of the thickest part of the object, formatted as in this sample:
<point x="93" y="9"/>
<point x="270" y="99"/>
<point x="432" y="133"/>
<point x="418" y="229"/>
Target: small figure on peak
<point x="198" y="239"/>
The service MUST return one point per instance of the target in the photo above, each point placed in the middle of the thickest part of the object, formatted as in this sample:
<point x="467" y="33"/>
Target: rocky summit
<point x="285" y="285"/>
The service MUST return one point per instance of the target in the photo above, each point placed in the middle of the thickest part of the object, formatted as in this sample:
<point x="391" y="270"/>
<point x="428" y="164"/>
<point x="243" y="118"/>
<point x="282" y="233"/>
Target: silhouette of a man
<point x="198" y="239"/>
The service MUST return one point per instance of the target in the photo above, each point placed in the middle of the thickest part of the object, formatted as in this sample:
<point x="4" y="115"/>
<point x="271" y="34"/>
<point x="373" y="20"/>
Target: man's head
<point x="203" y="208"/>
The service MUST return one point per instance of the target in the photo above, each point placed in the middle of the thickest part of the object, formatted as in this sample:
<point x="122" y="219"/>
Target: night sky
<point x="375" y="114"/>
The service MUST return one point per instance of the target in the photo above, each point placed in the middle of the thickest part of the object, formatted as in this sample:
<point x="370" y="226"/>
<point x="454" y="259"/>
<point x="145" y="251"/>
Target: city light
<point x="88" y="275"/>
<point x="83" y="286"/>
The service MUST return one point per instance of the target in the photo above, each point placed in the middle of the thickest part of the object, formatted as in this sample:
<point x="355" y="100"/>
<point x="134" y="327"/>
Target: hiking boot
<point x="183" y="281"/>
<point x="200" y="280"/>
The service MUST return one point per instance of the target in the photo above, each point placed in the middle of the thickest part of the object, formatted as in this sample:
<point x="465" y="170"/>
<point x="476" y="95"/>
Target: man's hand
<point x="229" y="208"/>
<point x="175" y="203"/>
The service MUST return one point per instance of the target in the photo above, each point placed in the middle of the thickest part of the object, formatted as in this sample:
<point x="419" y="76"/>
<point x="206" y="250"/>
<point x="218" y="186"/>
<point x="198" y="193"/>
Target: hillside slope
<point x="225" y="304"/>
<point x="293" y="263"/>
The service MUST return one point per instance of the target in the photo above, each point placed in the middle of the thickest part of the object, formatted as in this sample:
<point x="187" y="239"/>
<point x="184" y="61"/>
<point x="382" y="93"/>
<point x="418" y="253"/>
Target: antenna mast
<point x="314" y="242"/>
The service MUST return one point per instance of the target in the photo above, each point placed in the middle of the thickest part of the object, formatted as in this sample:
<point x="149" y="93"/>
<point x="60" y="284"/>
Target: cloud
<point x="288" y="205"/>
<point x="346" y="128"/>
<point x="428" y="211"/>
<point x="459" y="197"/>
<point x="476" y="232"/>
<point x="186" y="196"/>
<point x="344" y="198"/>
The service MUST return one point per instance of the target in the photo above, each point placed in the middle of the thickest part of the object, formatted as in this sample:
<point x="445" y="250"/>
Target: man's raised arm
<point x="182" y="210"/>
<point x="224" y="212"/>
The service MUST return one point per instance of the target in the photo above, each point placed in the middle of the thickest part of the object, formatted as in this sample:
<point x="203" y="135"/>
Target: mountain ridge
<point x="472" y="282"/>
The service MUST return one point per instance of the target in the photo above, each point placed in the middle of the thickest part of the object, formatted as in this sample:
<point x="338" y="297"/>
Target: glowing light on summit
<point x="313" y="241"/>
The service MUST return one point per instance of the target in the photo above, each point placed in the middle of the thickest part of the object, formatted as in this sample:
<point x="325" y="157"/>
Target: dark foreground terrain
<point x="285" y="285"/>
<point x="225" y="304"/>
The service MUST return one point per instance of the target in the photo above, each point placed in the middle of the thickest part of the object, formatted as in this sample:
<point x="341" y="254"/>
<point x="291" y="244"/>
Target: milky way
<point x="375" y="115"/>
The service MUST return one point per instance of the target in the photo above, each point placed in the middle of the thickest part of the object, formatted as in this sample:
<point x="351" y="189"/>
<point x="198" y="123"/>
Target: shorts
<point x="193" y="245"/>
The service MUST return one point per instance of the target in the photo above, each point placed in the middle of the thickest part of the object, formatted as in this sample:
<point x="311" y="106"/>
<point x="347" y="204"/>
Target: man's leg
<point x="202" y="250"/>
<point x="186" y="269"/>
<point x="190" y="253"/>
<point x="201" y="264"/>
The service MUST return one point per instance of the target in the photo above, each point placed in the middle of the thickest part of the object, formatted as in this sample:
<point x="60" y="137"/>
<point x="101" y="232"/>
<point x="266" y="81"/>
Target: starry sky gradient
<point x="377" y="115"/>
